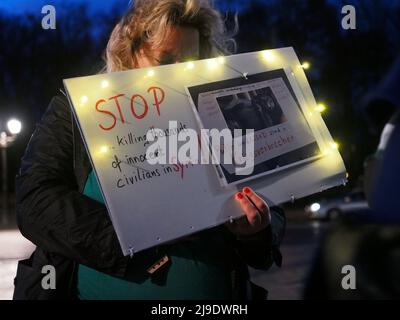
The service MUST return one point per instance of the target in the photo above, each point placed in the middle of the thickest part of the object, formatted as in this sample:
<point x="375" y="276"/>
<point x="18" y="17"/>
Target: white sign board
<point x="294" y="153"/>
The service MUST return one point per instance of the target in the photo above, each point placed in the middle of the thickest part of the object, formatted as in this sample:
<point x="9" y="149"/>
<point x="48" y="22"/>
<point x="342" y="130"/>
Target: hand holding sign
<point x="256" y="214"/>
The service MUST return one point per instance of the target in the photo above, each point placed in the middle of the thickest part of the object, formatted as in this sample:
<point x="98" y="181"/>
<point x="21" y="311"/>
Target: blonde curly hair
<point x="146" y="22"/>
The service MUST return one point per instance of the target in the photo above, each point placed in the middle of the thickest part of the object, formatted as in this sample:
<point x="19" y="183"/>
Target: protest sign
<point x="120" y="114"/>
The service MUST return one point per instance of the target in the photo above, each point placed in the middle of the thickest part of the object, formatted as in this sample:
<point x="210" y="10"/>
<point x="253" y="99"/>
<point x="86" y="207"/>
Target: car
<point x="329" y="209"/>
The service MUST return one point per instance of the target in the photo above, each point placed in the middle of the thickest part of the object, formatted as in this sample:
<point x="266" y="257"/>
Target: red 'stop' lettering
<point x="157" y="94"/>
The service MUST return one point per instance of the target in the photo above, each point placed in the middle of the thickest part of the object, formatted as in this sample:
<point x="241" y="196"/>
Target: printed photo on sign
<point x="254" y="109"/>
<point x="266" y="103"/>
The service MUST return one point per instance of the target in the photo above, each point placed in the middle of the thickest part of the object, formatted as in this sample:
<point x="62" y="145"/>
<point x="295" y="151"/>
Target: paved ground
<point x="298" y="248"/>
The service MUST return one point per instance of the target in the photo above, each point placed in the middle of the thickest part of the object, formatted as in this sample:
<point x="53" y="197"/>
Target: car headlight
<point x="315" y="207"/>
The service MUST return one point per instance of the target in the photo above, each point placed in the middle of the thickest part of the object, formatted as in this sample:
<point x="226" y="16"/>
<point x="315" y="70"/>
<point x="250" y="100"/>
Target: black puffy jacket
<point x="70" y="228"/>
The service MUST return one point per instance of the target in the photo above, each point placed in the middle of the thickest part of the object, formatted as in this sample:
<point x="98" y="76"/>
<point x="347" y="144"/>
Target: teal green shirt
<point x="198" y="270"/>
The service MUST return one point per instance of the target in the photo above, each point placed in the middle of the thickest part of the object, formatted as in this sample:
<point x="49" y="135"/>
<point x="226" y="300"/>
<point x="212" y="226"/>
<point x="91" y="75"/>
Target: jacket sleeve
<point x="51" y="212"/>
<point x="261" y="250"/>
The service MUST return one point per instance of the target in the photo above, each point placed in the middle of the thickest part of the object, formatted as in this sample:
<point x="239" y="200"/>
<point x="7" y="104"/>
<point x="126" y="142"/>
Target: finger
<point x="242" y="221"/>
<point x="260" y="204"/>
<point x="251" y="212"/>
<point x="257" y="201"/>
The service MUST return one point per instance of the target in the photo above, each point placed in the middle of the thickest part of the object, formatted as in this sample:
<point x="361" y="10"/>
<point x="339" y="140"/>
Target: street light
<point x="14" y="127"/>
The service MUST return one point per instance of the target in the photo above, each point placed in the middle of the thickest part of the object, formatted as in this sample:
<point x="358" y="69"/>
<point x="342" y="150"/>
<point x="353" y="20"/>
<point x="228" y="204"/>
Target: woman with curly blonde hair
<point x="61" y="210"/>
<point x="148" y="26"/>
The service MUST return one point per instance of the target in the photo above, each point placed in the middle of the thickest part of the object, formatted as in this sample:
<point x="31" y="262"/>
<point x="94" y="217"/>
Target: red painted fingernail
<point x="239" y="196"/>
<point x="246" y="190"/>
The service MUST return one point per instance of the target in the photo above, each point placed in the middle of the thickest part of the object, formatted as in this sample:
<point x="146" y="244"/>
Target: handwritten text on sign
<point x="138" y="105"/>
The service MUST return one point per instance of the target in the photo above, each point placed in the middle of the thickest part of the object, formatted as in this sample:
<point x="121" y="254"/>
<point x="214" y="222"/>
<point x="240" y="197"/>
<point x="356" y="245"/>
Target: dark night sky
<point x="35" y="6"/>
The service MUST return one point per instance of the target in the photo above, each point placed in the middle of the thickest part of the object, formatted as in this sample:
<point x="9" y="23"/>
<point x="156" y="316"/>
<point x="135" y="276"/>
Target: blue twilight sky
<point x="35" y="6"/>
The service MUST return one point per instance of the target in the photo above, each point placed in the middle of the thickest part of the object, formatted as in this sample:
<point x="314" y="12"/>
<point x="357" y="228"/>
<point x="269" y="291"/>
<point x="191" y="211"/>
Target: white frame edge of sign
<point x="292" y="183"/>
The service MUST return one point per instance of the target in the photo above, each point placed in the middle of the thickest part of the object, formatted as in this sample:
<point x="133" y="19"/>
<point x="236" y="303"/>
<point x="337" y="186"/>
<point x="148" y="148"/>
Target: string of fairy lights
<point x="212" y="64"/>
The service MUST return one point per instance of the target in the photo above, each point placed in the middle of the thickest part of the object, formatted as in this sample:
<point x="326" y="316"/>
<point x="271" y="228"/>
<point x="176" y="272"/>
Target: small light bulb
<point x="320" y="107"/>
<point x="190" y="65"/>
<point x="150" y="73"/>
<point x="84" y="99"/>
<point x="334" y="145"/>
<point x="306" y="65"/>
<point x="105" y="84"/>
<point x="103" y="149"/>
<point x="268" y="56"/>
